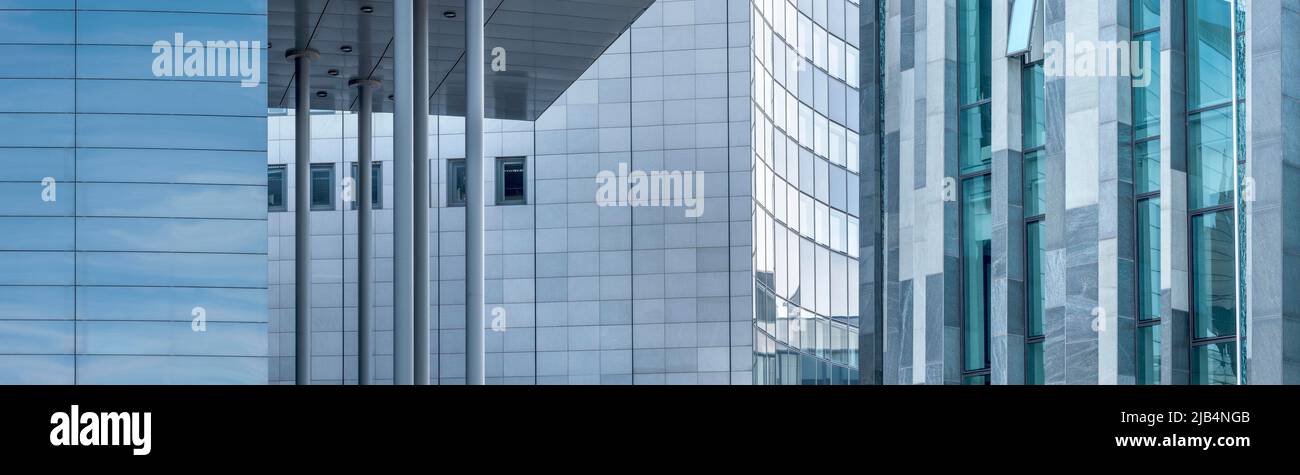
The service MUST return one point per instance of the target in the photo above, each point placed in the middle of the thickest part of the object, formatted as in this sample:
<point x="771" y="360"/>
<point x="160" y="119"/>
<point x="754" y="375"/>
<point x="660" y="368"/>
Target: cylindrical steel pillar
<point x="365" y="230"/>
<point x="302" y="212"/>
<point x="403" y="195"/>
<point x="420" y="54"/>
<point x="474" y="192"/>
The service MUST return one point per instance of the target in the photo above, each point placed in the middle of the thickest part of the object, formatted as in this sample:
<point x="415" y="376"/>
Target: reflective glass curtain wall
<point x="1212" y="182"/>
<point x="974" y="161"/>
<point x="1145" y="20"/>
<point x="131" y="198"/>
<point x="1034" y="128"/>
<point x="806" y="133"/>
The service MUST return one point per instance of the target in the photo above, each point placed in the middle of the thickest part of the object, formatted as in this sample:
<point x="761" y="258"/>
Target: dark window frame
<point x="376" y="185"/>
<point x="1041" y="217"/>
<point x="1189" y="117"/>
<point x="456" y="197"/>
<point x="985" y="373"/>
<point x="312" y="183"/>
<point x="500" y="167"/>
<point x="283" y="188"/>
<point x="1140" y="200"/>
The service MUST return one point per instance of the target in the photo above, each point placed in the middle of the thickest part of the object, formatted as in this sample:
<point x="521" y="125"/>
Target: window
<point x="456" y="182"/>
<point x="376" y="185"/>
<point x="1209" y="53"/>
<point x="512" y="178"/>
<point x="1148" y="269"/>
<point x="977" y="261"/>
<point x="975" y="157"/>
<point x="1020" y="27"/>
<point x="322" y="187"/>
<point x="275" y="188"/>
<point x="1146" y="188"/>
<point x="1034" y="131"/>
<point x="1211" y="192"/>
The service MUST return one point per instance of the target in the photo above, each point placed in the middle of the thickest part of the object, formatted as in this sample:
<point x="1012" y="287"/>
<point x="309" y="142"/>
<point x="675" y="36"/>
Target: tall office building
<point x="1089" y="192"/>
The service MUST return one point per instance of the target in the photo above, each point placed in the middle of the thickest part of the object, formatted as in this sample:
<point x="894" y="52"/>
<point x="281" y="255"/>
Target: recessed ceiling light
<point x="332" y="72"/>
<point x="322" y="94"/>
<point x="345" y="49"/>
<point x="367" y="9"/>
<point x="449" y="14"/>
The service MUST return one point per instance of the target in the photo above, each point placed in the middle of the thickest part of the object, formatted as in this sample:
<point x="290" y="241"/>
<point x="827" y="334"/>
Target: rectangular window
<point x="1210" y="164"/>
<point x="1209" y="53"/>
<point x="456" y="183"/>
<point x="376" y="185"/>
<point x="1035" y="176"/>
<point x="1034" y="373"/>
<point x="1146" y="90"/>
<point x="275" y="188"/>
<point x="1148" y="259"/>
<point x="974" y="59"/>
<point x="1148" y="354"/>
<point x="1034" y="105"/>
<point x="977" y="221"/>
<point x="1214" y="270"/>
<point x="1020" y="27"/>
<point x="322" y="187"/>
<point x="1034" y="277"/>
<point x="1148" y="289"/>
<point x="975" y="144"/>
<point x="512" y="178"/>
<point x="1146" y="167"/>
<point x="1215" y="363"/>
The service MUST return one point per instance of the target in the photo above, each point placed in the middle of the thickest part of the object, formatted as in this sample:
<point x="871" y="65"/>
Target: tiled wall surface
<point x="589" y="294"/>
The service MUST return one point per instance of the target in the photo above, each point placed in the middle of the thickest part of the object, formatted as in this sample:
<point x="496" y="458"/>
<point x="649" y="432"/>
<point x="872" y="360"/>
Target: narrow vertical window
<point x="1211" y="188"/>
<point x="1020" y="28"/>
<point x="1034" y="142"/>
<point x="456" y="183"/>
<point x="322" y="187"/>
<point x="1145" y="16"/>
<point x="512" y="178"/>
<point x="376" y="185"/>
<point x="275" y="188"/>
<point x="975" y="159"/>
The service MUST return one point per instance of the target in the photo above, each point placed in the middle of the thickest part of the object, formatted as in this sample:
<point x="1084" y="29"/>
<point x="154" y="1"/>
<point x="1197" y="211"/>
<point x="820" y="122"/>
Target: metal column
<point x="365" y="230"/>
<point x="302" y="212"/>
<point x="474" y="192"/>
<point x="403" y="196"/>
<point x="420" y="55"/>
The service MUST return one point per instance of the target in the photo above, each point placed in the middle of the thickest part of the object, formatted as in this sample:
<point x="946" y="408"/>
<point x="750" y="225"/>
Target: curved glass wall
<point x="805" y="92"/>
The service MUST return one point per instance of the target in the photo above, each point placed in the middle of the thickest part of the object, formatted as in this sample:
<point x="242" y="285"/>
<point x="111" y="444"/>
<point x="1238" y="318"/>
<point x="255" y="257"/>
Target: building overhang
<point x="547" y="45"/>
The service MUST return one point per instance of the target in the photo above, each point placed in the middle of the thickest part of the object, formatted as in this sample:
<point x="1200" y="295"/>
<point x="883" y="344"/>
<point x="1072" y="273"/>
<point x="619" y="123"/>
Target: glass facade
<point x="1145" y="18"/>
<point x="804" y="68"/>
<point x="1211" y="190"/>
<point x="1034" y="144"/>
<point x="136" y="207"/>
<point x="974" y="149"/>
